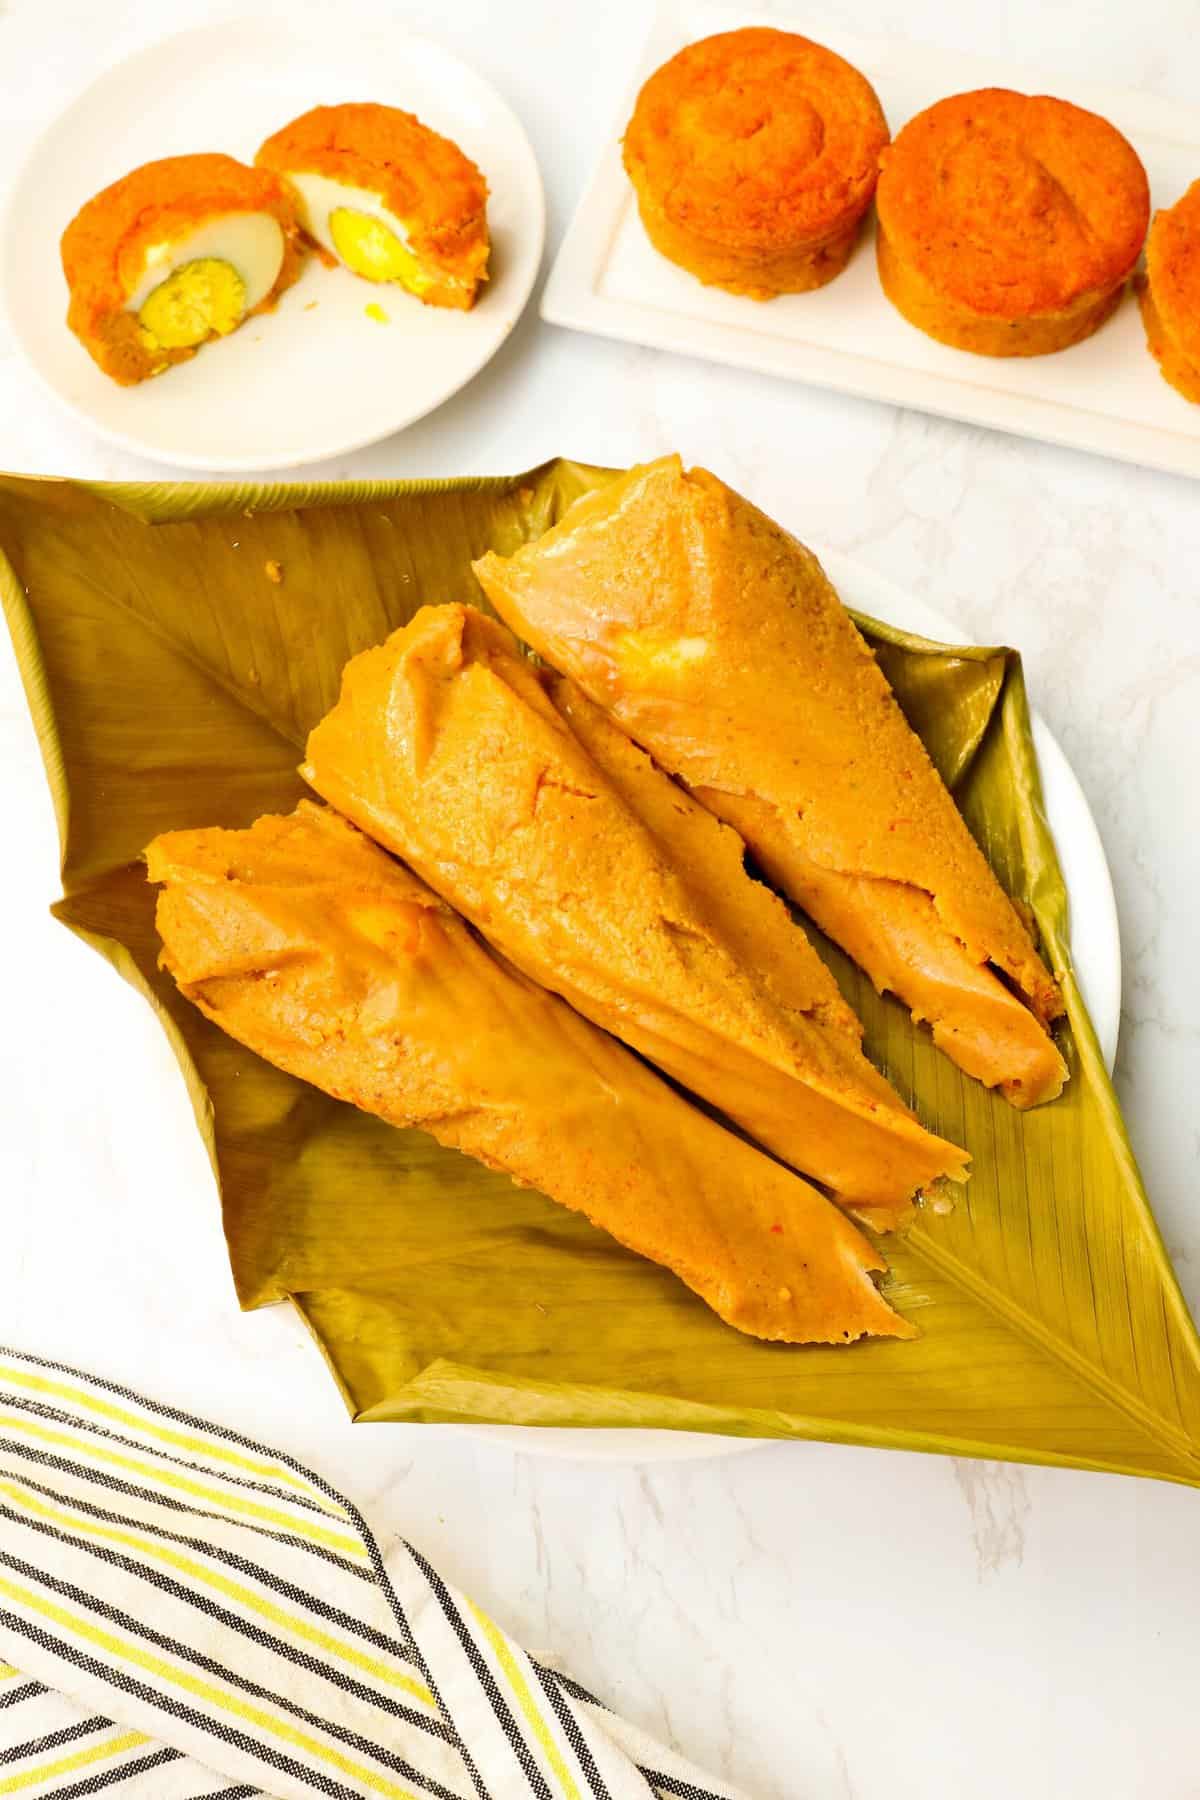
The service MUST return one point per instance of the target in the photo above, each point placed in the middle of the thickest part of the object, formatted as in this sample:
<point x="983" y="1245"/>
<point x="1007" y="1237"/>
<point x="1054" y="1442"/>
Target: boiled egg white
<point x="243" y="250"/>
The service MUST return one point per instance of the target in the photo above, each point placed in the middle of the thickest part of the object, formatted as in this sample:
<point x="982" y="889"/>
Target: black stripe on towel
<point x="82" y="1422"/>
<point x="570" y="1686"/>
<point x="187" y="1715"/>
<point x="680" y="1790"/>
<point x="28" y="1690"/>
<point x="186" y="1653"/>
<point x="201" y="1602"/>
<point x="52" y="1739"/>
<point x="126" y="1771"/>
<point x="148" y="1497"/>
<point x="233" y="1793"/>
<point x="377" y="1574"/>
<point x="571" y="1730"/>
<point x="205" y="1426"/>
<point x="244" y="1565"/>
<point x="521" y="1750"/>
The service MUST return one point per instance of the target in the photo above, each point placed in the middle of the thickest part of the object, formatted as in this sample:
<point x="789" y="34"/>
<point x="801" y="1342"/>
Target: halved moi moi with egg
<point x="387" y="197"/>
<point x="1009" y="223"/>
<point x="174" y="254"/>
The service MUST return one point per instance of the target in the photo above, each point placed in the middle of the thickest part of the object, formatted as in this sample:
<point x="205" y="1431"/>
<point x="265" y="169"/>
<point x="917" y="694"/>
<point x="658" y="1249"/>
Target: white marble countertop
<point x="812" y="1621"/>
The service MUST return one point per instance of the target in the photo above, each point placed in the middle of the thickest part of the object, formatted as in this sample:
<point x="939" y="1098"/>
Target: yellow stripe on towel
<point x="386" y="1673"/>
<point x="181" y="1440"/>
<point x="80" y="1759"/>
<point x="155" y="1475"/>
<point x="122" y="1650"/>
<point x="515" y="1676"/>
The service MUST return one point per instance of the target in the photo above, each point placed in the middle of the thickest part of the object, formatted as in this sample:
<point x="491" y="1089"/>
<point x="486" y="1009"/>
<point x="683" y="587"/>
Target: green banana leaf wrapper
<point x="173" y="683"/>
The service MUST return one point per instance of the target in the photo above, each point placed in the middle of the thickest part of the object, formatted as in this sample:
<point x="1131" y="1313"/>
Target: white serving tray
<point x="1104" y="395"/>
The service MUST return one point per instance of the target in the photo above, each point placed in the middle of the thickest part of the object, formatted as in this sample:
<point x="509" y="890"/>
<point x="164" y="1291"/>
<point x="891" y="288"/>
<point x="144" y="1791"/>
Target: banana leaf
<point x="178" y="641"/>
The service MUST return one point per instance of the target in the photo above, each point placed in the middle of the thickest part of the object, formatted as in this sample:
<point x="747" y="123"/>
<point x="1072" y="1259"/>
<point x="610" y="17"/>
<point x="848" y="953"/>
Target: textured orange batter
<point x="754" y="155"/>
<point x="1008" y="223"/>
<point x="527" y="809"/>
<point x="716" y="641"/>
<point x="1170" y="293"/>
<point x="304" y="941"/>
<point x="104" y="248"/>
<point x="431" y="186"/>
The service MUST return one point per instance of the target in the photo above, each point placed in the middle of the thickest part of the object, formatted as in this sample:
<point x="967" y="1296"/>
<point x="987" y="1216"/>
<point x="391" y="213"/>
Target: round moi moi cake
<point x="1008" y="223"/>
<point x="754" y="155"/>
<point x="172" y="255"/>
<point x="1170" y="293"/>
<point x="388" y="198"/>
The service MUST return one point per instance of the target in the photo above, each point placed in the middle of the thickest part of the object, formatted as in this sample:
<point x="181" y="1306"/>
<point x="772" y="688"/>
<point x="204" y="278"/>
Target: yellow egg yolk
<point x="644" y="656"/>
<point x="367" y="247"/>
<point x="195" y="300"/>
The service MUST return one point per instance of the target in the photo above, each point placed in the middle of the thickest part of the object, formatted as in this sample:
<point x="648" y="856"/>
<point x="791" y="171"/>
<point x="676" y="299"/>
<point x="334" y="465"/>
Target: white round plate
<point x="1096" y="949"/>
<point x="308" y="381"/>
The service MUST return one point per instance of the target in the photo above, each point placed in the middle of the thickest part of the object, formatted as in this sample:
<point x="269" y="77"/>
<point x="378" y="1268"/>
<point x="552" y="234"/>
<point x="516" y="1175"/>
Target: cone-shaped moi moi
<point x="677" y="605"/>
<point x="526" y="809"/>
<point x="173" y="683"/>
<point x="303" y="940"/>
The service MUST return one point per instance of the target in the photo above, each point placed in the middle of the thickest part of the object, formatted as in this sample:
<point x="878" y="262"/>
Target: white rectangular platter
<point x="1104" y="395"/>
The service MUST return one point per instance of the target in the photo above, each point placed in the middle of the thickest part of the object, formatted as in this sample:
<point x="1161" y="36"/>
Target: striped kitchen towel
<point x="186" y="1615"/>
